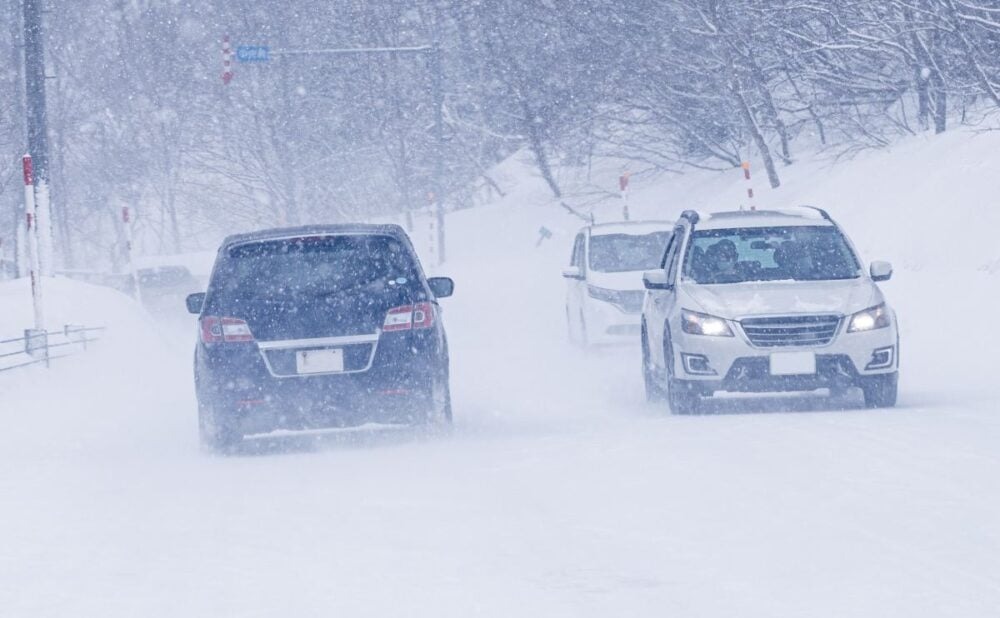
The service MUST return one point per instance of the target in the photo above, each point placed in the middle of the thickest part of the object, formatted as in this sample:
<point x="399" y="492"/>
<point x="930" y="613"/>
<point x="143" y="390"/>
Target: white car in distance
<point x="604" y="291"/>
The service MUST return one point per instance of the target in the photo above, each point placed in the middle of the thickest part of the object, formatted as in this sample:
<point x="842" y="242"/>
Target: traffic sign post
<point x="263" y="53"/>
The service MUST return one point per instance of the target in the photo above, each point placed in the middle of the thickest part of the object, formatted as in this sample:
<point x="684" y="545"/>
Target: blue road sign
<point x="253" y="53"/>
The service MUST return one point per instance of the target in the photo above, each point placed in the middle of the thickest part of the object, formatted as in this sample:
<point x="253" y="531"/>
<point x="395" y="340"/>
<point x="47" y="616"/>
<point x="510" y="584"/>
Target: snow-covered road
<point x="559" y="492"/>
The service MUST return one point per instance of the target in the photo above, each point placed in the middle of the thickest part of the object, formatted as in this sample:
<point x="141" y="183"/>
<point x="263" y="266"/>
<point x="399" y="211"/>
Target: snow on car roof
<point x="315" y="230"/>
<point x="631" y="227"/>
<point x="762" y="218"/>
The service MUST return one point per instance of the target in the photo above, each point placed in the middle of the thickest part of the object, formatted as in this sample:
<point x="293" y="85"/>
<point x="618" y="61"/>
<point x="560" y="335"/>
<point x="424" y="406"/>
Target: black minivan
<point x="318" y="327"/>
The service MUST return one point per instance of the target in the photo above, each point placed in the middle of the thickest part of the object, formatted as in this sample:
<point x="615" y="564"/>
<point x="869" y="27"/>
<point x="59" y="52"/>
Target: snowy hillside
<point x="559" y="491"/>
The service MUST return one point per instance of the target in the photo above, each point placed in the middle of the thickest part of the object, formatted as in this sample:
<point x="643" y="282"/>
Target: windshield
<point x="796" y="253"/>
<point x="615" y="253"/>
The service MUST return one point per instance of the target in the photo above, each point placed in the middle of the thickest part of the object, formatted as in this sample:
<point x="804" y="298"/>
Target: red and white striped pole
<point x="127" y="223"/>
<point x="746" y="175"/>
<point x="623" y="187"/>
<point x="227" y="61"/>
<point x="32" y="233"/>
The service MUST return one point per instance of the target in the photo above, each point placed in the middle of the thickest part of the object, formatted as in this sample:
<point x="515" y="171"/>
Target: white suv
<point x="764" y="301"/>
<point x="604" y="290"/>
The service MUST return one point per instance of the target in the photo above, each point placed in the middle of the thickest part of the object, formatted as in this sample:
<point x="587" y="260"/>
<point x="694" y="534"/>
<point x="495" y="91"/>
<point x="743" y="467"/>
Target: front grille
<point x="631" y="301"/>
<point x="792" y="330"/>
<point x="624" y="329"/>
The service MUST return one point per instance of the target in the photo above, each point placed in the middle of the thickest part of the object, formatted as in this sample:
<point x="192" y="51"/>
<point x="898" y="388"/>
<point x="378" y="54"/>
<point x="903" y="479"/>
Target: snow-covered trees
<point x="140" y="117"/>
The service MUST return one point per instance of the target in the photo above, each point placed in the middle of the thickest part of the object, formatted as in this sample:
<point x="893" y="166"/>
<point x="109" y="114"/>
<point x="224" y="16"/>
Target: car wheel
<point x="216" y="435"/>
<point x="680" y="399"/>
<point x="584" y="339"/>
<point x="880" y="391"/>
<point x="438" y="403"/>
<point x="654" y="391"/>
<point x="570" y="329"/>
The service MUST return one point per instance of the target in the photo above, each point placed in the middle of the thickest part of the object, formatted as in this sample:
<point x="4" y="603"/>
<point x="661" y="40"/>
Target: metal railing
<point x="43" y="346"/>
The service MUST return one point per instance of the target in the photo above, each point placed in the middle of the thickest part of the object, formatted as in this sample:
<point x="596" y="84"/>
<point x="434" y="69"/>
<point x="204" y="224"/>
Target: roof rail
<point x="691" y="215"/>
<point x="822" y="212"/>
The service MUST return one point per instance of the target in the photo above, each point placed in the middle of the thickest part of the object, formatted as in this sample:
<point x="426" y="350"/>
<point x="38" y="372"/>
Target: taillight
<point x="229" y="330"/>
<point x="420" y="315"/>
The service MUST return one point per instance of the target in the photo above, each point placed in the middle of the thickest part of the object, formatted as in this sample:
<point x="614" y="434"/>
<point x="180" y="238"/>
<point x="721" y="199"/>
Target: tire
<point x="654" y="391"/>
<point x="437" y="409"/>
<point x="680" y="399"/>
<point x="880" y="391"/>
<point x="583" y="342"/>
<point x="574" y="333"/>
<point x="215" y="435"/>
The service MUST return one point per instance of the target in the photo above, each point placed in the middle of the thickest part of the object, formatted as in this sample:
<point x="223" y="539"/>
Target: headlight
<point x="872" y="318"/>
<point x="695" y="323"/>
<point x="604" y="294"/>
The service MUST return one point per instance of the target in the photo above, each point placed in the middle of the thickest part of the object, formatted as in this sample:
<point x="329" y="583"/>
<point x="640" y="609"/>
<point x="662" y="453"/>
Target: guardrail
<point x="42" y="346"/>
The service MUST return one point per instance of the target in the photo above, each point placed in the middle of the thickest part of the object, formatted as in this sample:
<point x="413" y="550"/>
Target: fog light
<point x="697" y="364"/>
<point x="882" y="358"/>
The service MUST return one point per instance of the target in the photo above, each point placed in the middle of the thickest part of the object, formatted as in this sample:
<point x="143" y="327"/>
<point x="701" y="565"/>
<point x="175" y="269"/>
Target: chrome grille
<point x="631" y="301"/>
<point x="792" y="330"/>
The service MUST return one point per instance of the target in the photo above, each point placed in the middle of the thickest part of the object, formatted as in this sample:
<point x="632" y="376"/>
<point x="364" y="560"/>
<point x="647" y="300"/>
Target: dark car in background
<point x="318" y="327"/>
<point x="164" y="287"/>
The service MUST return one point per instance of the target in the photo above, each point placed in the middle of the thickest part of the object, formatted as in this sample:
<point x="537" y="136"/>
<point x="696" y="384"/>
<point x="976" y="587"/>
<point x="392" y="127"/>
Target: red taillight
<point x="420" y="315"/>
<point x="229" y="330"/>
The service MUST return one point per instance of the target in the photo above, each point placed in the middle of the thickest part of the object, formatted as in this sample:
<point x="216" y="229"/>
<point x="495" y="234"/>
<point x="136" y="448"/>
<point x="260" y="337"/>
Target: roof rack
<point x="822" y="212"/>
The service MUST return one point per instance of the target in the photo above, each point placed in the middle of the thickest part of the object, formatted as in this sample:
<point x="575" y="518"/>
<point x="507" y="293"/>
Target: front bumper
<point x="609" y="323"/>
<point x="709" y="364"/>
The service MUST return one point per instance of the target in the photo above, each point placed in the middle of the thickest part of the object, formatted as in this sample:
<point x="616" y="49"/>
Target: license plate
<point x="793" y="363"/>
<point x="319" y="361"/>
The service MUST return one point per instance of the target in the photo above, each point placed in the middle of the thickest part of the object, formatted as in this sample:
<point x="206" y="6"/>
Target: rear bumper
<point x="242" y="388"/>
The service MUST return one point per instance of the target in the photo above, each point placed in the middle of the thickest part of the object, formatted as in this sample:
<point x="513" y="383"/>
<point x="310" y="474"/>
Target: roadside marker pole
<point x="32" y="233"/>
<point x="623" y="187"/>
<point x="746" y="175"/>
<point x="227" y="61"/>
<point x="127" y="222"/>
<point x="432" y="236"/>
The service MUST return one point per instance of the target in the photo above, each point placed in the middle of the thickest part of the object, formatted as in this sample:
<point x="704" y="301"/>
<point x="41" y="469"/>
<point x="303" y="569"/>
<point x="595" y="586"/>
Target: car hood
<point x="739" y="300"/>
<point x="628" y="280"/>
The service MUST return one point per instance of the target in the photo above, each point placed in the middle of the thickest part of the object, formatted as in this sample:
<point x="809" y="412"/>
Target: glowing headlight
<point x="870" y="319"/>
<point x="700" y="324"/>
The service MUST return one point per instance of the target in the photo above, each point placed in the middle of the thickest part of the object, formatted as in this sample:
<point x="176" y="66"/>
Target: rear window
<point x="165" y="276"/>
<point x="314" y="267"/>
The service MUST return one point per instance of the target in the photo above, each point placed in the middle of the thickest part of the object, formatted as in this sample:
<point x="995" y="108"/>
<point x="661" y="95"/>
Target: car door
<point x="576" y="288"/>
<point x="660" y="303"/>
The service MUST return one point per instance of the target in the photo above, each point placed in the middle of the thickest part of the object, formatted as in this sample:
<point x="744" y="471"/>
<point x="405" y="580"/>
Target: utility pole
<point x="38" y="141"/>
<point x="437" y="78"/>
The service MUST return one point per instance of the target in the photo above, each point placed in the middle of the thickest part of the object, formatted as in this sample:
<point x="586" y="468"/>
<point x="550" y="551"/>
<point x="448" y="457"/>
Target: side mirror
<point x="656" y="280"/>
<point x="572" y="272"/>
<point x="880" y="271"/>
<point x="195" y="302"/>
<point x="441" y="287"/>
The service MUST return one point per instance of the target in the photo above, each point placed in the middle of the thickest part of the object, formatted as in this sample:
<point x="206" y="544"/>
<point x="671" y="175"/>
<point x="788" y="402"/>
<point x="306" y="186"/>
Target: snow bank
<point x="926" y="202"/>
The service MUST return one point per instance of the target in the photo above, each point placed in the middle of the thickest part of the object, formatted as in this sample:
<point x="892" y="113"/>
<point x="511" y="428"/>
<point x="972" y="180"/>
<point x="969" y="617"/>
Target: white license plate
<point x="793" y="363"/>
<point x="319" y="361"/>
